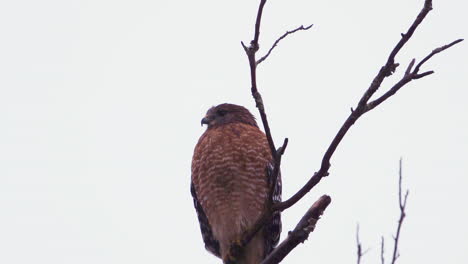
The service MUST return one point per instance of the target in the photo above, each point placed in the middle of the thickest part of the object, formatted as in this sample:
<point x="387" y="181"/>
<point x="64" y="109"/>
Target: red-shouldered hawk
<point x="231" y="174"/>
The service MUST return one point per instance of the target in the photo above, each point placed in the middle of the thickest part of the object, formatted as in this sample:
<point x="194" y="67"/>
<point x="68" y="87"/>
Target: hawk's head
<point x="228" y="113"/>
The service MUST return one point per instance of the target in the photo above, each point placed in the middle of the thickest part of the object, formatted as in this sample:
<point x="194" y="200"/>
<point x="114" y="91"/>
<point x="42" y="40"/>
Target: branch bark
<point x="305" y="226"/>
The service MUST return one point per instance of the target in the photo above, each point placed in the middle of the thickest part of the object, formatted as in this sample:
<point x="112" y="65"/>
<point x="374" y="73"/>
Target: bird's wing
<point x="211" y="244"/>
<point x="273" y="227"/>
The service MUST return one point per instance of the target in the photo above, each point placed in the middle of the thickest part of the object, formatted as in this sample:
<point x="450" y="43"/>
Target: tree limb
<point x="305" y="226"/>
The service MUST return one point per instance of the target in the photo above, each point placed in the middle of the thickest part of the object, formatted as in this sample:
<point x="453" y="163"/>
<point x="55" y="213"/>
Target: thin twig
<point x="382" y="250"/>
<point x="360" y="253"/>
<point x="281" y="38"/>
<point x="435" y="51"/>
<point x="257" y="24"/>
<point x="305" y="226"/>
<point x="402" y="205"/>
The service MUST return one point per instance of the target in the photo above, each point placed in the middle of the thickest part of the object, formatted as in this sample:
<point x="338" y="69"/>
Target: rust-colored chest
<point x="229" y="171"/>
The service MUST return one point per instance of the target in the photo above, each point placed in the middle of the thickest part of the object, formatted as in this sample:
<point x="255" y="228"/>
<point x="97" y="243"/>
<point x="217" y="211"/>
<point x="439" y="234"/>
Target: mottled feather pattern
<point x="273" y="228"/>
<point x="228" y="184"/>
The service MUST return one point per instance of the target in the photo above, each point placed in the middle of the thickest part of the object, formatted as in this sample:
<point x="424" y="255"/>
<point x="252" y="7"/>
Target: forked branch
<point x="396" y="238"/>
<point x="409" y="75"/>
<point x="360" y="253"/>
<point x="402" y="204"/>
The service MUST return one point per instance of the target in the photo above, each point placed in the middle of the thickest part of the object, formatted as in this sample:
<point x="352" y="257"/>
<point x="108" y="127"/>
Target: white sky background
<point x="100" y="108"/>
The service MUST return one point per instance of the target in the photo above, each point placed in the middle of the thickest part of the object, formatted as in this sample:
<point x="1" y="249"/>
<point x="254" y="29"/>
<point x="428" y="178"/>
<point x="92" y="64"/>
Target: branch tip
<point x="421" y="75"/>
<point x="282" y="149"/>
<point x="410" y="67"/>
<point x="245" y="47"/>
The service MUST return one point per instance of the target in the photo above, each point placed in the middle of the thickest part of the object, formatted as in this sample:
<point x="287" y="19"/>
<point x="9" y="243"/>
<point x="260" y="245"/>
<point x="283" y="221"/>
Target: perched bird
<point x="232" y="167"/>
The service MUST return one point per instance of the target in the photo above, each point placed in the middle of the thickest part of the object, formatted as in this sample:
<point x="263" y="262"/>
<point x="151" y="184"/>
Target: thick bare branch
<point x="305" y="226"/>
<point x="281" y="38"/>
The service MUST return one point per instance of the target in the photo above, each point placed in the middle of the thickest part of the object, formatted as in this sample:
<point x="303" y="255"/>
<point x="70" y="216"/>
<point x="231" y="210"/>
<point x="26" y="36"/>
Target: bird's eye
<point x="222" y="112"/>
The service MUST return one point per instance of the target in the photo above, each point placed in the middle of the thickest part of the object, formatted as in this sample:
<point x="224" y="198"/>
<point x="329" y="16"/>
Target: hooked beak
<point x="206" y="121"/>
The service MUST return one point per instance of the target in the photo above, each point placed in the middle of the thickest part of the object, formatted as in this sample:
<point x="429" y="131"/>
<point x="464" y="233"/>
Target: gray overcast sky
<point x="100" y="108"/>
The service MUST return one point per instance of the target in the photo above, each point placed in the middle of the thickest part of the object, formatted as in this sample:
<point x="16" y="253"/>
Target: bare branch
<point x="410" y="66"/>
<point x="409" y="76"/>
<point x="402" y="204"/>
<point x="251" y="51"/>
<point x="254" y="42"/>
<point x="360" y="253"/>
<point x="382" y="250"/>
<point x="305" y="226"/>
<point x="281" y="38"/>
<point x="363" y="105"/>
<point x="436" y="51"/>
<point x="406" y="36"/>
<point x="424" y="74"/>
